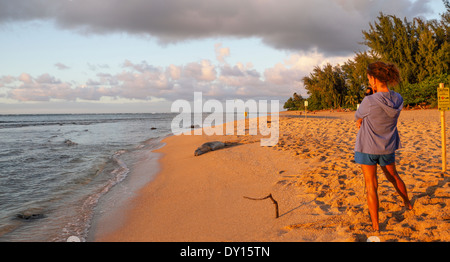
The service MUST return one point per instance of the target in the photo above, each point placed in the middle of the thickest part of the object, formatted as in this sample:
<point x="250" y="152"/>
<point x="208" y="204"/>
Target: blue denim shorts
<point x="369" y="159"/>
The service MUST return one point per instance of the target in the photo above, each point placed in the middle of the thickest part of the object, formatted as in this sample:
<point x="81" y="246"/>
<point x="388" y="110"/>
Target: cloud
<point x="330" y="26"/>
<point x="61" y="66"/>
<point x="94" y="67"/>
<point x="203" y="71"/>
<point x="174" y="72"/>
<point x="146" y="82"/>
<point x="47" y="79"/>
<point x="289" y="73"/>
<point x="41" y="88"/>
<point x="7" y="79"/>
<point x="25" y="78"/>
<point x="221" y="52"/>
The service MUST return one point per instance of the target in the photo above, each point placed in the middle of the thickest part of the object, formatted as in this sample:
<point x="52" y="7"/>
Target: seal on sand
<point x="209" y="146"/>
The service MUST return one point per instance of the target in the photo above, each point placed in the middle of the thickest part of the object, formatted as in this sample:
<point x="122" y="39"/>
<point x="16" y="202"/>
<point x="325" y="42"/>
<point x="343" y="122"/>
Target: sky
<point x="139" y="56"/>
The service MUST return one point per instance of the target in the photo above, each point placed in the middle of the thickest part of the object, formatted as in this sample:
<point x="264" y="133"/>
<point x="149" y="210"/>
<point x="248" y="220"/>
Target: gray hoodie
<point x="378" y="134"/>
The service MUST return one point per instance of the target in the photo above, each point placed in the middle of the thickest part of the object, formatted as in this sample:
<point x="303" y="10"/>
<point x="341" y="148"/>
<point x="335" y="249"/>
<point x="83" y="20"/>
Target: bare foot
<point x="408" y="205"/>
<point x="376" y="228"/>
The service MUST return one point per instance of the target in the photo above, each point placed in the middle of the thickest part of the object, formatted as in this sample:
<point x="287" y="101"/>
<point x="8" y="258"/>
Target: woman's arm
<point x="363" y="111"/>
<point x="358" y="123"/>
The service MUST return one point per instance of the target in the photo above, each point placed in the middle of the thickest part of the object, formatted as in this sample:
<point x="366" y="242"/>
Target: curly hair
<point x="386" y="73"/>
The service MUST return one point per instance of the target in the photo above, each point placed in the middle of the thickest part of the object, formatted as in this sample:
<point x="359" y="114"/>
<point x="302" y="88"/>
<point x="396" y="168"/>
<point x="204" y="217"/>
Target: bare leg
<point x="370" y="176"/>
<point x="391" y="174"/>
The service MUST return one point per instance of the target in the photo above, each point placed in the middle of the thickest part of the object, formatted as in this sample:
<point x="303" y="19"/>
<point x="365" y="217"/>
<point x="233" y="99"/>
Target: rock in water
<point x="30" y="216"/>
<point x="70" y="143"/>
<point x="209" y="146"/>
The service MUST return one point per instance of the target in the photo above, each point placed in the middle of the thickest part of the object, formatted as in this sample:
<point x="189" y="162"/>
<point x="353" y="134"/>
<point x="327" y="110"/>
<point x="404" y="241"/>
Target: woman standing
<point x="378" y="138"/>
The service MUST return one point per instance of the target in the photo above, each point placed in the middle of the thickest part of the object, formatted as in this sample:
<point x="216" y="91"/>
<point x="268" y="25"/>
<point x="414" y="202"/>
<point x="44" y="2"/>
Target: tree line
<point x="420" y="49"/>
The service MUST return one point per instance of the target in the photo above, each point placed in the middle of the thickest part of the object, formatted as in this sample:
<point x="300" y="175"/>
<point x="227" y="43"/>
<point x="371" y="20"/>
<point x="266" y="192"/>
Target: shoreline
<point x="310" y="173"/>
<point x="209" y="203"/>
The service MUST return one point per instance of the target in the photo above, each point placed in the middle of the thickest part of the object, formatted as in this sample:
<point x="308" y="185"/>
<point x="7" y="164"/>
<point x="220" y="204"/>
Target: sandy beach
<point x="310" y="173"/>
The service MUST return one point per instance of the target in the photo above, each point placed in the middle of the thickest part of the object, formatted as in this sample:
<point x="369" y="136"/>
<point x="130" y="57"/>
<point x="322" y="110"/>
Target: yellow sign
<point x="443" y="99"/>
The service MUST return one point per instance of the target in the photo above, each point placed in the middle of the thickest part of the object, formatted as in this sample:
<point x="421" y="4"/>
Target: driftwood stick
<point x="271" y="198"/>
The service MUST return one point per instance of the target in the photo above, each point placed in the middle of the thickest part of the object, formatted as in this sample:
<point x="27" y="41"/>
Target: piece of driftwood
<point x="273" y="201"/>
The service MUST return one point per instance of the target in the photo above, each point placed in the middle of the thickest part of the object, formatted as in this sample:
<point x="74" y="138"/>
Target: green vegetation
<point x="420" y="49"/>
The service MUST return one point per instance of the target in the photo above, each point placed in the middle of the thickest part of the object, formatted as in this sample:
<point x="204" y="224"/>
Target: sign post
<point x="443" y="105"/>
<point x="306" y="105"/>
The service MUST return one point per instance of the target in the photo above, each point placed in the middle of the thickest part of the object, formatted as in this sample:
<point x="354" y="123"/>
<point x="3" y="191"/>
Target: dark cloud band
<point x="332" y="26"/>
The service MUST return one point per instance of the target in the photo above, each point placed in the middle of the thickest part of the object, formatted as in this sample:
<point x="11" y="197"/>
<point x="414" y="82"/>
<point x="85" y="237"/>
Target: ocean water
<point x="56" y="170"/>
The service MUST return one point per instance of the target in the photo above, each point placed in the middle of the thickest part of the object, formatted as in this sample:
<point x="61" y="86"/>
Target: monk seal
<point x="209" y="146"/>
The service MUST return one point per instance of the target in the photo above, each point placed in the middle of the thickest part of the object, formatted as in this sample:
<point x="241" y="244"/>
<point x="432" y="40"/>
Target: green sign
<point x="443" y="99"/>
